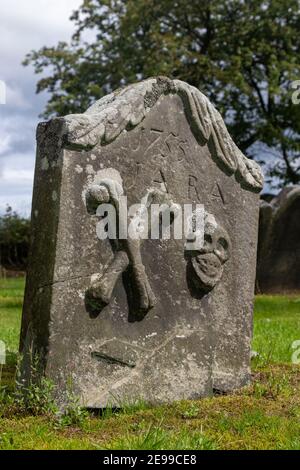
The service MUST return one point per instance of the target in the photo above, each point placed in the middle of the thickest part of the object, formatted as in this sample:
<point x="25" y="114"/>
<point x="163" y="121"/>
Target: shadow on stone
<point x="135" y="312"/>
<point x="93" y="305"/>
<point x="190" y="278"/>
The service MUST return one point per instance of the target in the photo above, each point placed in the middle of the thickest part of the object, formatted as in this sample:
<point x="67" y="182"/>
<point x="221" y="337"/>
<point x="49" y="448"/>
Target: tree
<point x="14" y="240"/>
<point x="243" y="54"/>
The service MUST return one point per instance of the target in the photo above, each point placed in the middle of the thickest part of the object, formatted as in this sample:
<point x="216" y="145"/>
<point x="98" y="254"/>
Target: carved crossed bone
<point x="128" y="250"/>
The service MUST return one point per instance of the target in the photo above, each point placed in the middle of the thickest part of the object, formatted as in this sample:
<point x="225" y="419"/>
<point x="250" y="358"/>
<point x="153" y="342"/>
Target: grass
<point x="265" y="415"/>
<point x="276" y="327"/>
<point x="11" y="301"/>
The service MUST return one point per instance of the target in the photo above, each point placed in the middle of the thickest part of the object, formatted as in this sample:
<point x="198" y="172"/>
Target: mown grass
<point x="276" y="327"/>
<point x="265" y="415"/>
<point x="11" y="301"/>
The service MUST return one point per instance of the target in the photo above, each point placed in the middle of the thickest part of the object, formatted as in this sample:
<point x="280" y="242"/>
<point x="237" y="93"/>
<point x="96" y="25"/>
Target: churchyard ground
<point x="265" y="415"/>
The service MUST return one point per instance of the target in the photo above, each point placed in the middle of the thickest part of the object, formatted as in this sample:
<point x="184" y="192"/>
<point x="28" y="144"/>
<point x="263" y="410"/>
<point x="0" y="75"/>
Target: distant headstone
<point x="158" y="319"/>
<point x="278" y="264"/>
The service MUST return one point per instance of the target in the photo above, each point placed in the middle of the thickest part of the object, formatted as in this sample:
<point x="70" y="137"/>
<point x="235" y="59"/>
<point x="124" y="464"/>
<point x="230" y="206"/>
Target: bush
<point x="14" y="240"/>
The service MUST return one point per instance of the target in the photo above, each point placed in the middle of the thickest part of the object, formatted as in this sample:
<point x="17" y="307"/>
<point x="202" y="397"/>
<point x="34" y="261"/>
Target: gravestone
<point x="121" y="319"/>
<point x="278" y="262"/>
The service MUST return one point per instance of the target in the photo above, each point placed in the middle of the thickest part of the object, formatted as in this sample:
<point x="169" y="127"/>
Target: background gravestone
<point x="162" y="135"/>
<point x="278" y="266"/>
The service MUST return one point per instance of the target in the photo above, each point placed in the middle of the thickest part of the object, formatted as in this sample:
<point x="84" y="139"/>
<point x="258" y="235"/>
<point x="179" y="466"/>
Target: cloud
<point x="24" y="26"/>
<point x="15" y="98"/>
<point x="16" y="182"/>
<point x="4" y="143"/>
<point x="17" y="134"/>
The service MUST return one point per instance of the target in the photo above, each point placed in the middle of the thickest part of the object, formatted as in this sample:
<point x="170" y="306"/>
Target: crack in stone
<point x="140" y="365"/>
<point x="61" y="281"/>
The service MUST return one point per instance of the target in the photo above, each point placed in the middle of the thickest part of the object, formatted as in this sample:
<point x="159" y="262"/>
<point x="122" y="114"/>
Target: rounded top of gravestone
<point x="125" y="108"/>
<point x="285" y="196"/>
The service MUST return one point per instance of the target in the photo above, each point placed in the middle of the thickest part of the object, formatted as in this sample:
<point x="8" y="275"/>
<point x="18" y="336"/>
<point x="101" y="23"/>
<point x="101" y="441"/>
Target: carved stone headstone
<point x="278" y="262"/>
<point x="153" y="319"/>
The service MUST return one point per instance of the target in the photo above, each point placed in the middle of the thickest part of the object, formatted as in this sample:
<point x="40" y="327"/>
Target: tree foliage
<point x="243" y="54"/>
<point x="14" y="240"/>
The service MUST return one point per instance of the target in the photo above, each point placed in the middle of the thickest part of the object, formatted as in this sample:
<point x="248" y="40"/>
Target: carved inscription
<point x="160" y="180"/>
<point x="217" y="193"/>
<point x="193" y="188"/>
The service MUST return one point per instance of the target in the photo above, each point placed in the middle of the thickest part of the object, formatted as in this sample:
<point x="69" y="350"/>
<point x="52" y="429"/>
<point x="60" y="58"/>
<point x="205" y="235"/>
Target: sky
<point x="24" y="25"/>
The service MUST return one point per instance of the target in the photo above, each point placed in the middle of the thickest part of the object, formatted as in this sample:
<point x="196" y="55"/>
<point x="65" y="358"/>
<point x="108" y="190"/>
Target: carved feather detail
<point x="125" y="109"/>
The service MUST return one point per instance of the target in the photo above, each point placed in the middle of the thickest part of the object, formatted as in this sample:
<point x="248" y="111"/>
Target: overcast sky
<point x="24" y="25"/>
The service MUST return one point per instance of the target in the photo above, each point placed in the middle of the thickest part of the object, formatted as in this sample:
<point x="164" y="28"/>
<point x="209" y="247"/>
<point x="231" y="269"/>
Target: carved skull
<point x="208" y="261"/>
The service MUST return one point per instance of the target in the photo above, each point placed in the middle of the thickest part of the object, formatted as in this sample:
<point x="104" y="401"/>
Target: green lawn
<point x="276" y="327"/>
<point x="265" y="415"/>
<point x="11" y="300"/>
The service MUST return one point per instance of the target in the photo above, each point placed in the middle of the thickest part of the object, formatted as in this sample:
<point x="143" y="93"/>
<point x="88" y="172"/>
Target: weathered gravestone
<point x="124" y="319"/>
<point x="278" y="261"/>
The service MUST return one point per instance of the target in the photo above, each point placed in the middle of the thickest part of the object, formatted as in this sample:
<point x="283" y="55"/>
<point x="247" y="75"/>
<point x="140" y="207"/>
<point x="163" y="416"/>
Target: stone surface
<point x="148" y="320"/>
<point x="278" y="264"/>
